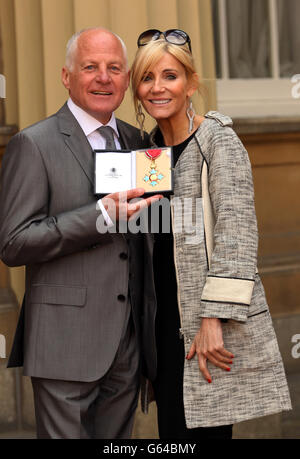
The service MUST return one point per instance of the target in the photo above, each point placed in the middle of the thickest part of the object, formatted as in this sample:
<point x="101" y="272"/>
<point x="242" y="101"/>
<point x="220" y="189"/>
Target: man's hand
<point x="208" y="344"/>
<point x="118" y="207"/>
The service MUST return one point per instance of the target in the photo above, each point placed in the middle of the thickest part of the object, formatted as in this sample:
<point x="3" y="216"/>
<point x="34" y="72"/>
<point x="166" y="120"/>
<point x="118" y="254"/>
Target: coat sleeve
<point x="28" y="234"/>
<point x="232" y="266"/>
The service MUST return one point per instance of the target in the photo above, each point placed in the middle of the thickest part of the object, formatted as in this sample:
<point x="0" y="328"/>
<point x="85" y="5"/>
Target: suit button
<point x="123" y="256"/>
<point x="121" y="298"/>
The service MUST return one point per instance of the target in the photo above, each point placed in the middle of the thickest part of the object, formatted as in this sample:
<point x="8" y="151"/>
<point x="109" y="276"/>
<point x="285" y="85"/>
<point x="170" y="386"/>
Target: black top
<point x="167" y="318"/>
<point x="177" y="149"/>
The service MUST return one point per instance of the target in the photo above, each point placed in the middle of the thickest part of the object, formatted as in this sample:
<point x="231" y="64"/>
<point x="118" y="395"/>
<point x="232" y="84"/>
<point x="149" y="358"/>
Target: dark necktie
<point x="108" y="134"/>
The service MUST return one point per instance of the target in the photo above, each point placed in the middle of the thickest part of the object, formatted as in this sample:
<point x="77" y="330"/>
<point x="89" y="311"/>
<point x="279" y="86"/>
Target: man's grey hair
<point x="73" y="42"/>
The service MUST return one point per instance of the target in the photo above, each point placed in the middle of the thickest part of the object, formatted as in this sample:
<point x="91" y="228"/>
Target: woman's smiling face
<point x="165" y="90"/>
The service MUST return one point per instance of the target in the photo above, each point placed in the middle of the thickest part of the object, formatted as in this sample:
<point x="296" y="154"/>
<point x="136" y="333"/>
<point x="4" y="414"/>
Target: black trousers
<point x="168" y="386"/>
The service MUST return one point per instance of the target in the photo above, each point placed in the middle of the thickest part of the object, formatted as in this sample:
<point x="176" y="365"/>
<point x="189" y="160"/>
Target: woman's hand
<point x="209" y="345"/>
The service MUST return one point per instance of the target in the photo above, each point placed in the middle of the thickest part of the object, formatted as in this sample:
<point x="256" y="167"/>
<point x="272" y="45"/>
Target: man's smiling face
<point x="98" y="77"/>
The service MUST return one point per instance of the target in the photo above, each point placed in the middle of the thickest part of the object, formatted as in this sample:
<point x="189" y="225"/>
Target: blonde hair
<point x="147" y="57"/>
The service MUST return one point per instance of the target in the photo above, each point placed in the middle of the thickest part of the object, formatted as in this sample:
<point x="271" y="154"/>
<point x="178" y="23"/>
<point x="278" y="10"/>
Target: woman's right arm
<point x="232" y="269"/>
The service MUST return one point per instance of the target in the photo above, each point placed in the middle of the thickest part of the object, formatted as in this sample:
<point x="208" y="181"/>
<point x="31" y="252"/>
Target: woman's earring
<point x="140" y="117"/>
<point x="191" y="115"/>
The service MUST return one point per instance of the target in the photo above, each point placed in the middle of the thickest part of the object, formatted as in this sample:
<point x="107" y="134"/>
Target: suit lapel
<point x="127" y="140"/>
<point x="76" y="141"/>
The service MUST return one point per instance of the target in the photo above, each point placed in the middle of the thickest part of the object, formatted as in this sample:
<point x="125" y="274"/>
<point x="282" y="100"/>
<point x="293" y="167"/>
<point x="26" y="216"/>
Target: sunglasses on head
<point x="173" y="36"/>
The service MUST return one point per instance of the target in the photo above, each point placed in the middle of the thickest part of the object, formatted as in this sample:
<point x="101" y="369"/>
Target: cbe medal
<point x="154" y="176"/>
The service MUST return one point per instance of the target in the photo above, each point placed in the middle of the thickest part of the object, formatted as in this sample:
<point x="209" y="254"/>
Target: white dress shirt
<point x="90" y="127"/>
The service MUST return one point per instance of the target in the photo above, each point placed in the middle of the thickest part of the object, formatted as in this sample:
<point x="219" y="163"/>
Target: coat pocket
<point x="58" y="294"/>
<point x="254" y="343"/>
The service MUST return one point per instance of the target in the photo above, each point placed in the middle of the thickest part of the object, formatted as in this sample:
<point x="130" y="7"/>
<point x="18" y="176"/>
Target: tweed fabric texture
<point x="256" y="385"/>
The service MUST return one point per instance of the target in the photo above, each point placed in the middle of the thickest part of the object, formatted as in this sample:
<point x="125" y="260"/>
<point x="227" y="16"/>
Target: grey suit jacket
<point x="76" y="279"/>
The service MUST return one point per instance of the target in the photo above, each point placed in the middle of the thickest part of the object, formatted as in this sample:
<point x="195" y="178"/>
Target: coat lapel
<point x="129" y="137"/>
<point x="76" y="141"/>
<point x="124" y="135"/>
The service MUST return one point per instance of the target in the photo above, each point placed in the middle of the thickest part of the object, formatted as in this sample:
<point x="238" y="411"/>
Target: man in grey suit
<point x="79" y="332"/>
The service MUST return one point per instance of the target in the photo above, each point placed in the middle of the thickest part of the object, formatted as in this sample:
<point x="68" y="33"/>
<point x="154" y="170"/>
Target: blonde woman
<point x="211" y="306"/>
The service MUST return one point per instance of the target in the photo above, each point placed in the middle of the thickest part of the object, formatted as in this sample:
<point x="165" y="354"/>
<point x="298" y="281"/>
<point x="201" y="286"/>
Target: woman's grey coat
<point x="215" y="253"/>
